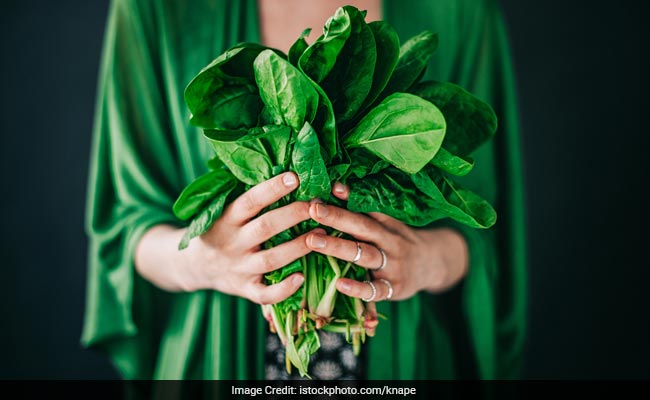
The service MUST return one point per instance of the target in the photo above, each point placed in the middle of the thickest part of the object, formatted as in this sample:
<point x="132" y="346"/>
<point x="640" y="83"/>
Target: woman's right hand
<point x="229" y="257"/>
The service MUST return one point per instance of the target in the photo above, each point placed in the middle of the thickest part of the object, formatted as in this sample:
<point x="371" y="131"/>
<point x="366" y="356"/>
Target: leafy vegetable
<point x="346" y="108"/>
<point x="199" y="193"/>
<point x="204" y="219"/>
<point x="403" y="129"/>
<point x="350" y="79"/>
<point x="414" y="56"/>
<point x="471" y="121"/>
<point x="288" y="95"/>
<point x="310" y="167"/>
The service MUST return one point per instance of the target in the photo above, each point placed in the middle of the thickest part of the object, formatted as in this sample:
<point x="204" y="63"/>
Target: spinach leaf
<point x="298" y="47"/>
<point x="215" y="163"/>
<point x="289" y="96"/>
<point x="404" y="130"/>
<point x="319" y="58"/>
<point x="392" y="192"/>
<point x="387" y="45"/>
<point x="470" y="121"/>
<point x="365" y="163"/>
<point x="453" y="200"/>
<point x="204" y="220"/>
<point x="414" y="56"/>
<point x="350" y="80"/>
<point x="307" y="162"/>
<point x="325" y="125"/>
<point x="228" y="79"/>
<point x="244" y="155"/>
<point x="231" y="107"/>
<point x="199" y="193"/>
<point x="452" y="164"/>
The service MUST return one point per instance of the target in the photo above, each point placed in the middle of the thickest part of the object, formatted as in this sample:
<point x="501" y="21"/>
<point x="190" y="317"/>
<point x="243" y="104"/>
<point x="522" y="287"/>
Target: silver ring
<point x="390" y="289"/>
<point x="374" y="292"/>
<point x="358" y="256"/>
<point x="384" y="260"/>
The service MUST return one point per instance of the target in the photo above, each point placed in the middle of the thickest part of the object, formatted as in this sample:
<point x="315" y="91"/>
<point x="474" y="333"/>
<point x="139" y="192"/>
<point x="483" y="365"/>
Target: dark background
<point x="583" y="87"/>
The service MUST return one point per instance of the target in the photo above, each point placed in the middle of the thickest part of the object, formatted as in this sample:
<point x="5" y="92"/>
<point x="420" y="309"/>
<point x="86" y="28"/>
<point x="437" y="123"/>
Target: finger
<point x="362" y="290"/>
<point x="276" y="257"/>
<point x="344" y="249"/>
<point x="341" y="191"/>
<point x="249" y="204"/>
<point x="358" y="225"/>
<point x="262" y="294"/>
<point x="273" y="222"/>
<point x="389" y="222"/>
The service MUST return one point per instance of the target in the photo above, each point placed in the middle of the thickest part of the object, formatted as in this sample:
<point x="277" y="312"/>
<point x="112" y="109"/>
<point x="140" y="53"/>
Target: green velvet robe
<point x="145" y="152"/>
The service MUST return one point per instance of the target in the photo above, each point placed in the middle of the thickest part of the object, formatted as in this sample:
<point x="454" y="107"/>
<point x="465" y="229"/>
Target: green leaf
<point x="279" y="275"/>
<point x="200" y="192"/>
<point x="455" y="201"/>
<point x="230" y="107"/>
<point x="299" y="351"/>
<point x="243" y="154"/>
<point x="350" y="80"/>
<point x="365" y="163"/>
<point x="325" y="125"/>
<point x="470" y="121"/>
<point x="204" y="220"/>
<point x="307" y="162"/>
<point x="404" y="130"/>
<point x="387" y="45"/>
<point x="414" y="56"/>
<point x="319" y="58"/>
<point x="227" y="80"/>
<point x="215" y="163"/>
<point x="289" y="96"/>
<point x="392" y="192"/>
<point x="299" y="47"/>
<point x="452" y="164"/>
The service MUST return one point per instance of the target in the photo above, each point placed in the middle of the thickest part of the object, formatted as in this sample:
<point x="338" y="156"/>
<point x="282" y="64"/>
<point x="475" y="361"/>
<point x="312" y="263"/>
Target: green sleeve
<point x="130" y="189"/>
<point x="495" y="288"/>
<point x="144" y="152"/>
<point x="477" y="329"/>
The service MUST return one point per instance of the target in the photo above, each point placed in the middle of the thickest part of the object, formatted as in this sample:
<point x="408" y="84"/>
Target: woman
<point x="161" y="313"/>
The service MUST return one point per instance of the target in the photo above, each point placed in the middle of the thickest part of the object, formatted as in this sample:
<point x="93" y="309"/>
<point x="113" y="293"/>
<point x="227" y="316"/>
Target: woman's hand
<point x="229" y="258"/>
<point x="415" y="259"/>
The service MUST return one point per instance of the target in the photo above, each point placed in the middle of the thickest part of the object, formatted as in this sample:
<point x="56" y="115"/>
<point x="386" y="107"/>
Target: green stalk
<point x="326" y="304"/>
<point x="279" y="326"/>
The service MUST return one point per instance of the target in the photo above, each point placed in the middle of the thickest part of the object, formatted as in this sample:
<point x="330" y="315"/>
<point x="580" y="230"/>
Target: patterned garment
<point x="334" y="360"/>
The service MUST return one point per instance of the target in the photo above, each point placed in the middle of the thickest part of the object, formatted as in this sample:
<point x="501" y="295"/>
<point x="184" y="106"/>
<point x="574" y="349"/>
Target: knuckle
<point x="266" y="262"/>
<point x="249" y="201"/>
<point x="262" y="227"/>
<point x="365" y="226"/>
<point x="277" y="187"/>
<point x="262" y="298"/>
<point x="300" y="209"/>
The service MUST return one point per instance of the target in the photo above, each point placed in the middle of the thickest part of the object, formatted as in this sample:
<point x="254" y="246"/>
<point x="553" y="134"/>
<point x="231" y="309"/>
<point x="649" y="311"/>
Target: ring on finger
<point x="374" y="292"/>
<point x="358" y="256"/>
<point x="390" y="288"/>
<point x="384" y="260"/>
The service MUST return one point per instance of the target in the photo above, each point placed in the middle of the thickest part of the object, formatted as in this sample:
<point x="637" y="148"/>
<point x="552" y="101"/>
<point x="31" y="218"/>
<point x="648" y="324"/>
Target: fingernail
<point x="289" y="180"/>
<point x="322" y="211"/>
<point x="339" y="188"/>
<point x="317" y="242"/>
<point x="297" y="280"/>
<point x="316" y="201"/>
<point x="343" y="286"/>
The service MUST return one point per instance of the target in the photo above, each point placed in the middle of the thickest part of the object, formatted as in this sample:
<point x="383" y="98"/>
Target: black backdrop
<point x="583" y="88"/>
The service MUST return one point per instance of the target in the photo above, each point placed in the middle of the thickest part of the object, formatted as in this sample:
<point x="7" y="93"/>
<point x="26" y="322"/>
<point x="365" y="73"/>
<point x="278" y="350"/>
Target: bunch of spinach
<point x="350" y="107"/>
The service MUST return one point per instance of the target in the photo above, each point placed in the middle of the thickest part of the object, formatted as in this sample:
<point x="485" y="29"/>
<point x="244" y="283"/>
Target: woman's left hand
<point x="432" y="260"/>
